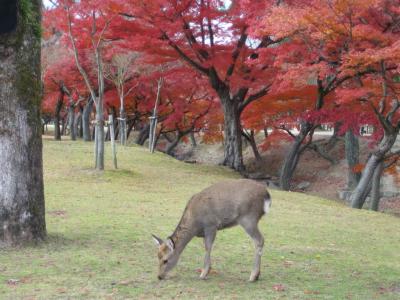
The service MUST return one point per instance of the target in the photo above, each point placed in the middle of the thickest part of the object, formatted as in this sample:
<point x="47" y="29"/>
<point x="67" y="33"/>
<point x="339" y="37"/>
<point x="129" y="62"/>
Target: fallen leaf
<point x="310" y="292"/>
<point x="61" y="290"/>
<point x="12" y="281"/>
<point x="287" y="263"/>
<point x="279" y="287"/>
<point x="125" y="282"/>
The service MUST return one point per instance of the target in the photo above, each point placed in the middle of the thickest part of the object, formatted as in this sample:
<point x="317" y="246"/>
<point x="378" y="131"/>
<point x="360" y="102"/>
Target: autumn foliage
<point x="231" y="67"/>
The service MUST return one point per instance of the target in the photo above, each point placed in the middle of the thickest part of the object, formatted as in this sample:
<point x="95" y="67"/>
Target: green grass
<point x="99" y="244"/>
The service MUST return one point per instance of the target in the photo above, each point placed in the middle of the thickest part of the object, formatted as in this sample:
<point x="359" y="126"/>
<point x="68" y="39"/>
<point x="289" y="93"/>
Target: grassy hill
<point x="99" y="244"/>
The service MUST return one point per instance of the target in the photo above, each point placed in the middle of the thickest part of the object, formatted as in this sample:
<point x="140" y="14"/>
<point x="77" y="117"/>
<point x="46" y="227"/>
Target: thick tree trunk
<point x="57" y="131"/>
<point x="232" y="135"/>
<point x="292" y="158"/>
<point x="171" y="146"/>
<point x="193" y="140"/>
<point x="375" y="191"/>
<point x="22" y="217"/>
<point x="143" y="135"/>
<point x="360" y="193"/>
<point x="86" y="120"/>
<point x="362" y="190"/>
<point x="352" y="155"/>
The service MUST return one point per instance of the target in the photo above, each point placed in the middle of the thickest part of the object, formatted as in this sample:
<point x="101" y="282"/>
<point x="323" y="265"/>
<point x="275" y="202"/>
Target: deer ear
<point x="170" y="244"/>
<point x="157" y="240"/>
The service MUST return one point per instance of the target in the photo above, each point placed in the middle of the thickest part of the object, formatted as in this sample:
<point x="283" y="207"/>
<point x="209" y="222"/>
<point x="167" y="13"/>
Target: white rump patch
<point x="267" y="205"/>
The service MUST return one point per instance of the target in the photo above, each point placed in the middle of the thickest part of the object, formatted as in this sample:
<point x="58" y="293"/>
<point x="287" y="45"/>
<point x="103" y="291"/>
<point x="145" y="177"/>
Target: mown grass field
<point x="99" y="244"/>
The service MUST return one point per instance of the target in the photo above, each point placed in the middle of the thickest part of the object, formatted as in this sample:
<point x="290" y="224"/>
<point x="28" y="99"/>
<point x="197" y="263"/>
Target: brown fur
<point x="219" y="206"/>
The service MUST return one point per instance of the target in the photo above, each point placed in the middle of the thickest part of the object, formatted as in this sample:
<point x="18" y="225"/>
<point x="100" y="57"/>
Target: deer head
<point x="167" y="256"/>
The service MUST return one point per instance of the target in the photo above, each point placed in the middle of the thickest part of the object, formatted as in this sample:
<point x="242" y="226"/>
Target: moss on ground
<point x="99" y="244"/>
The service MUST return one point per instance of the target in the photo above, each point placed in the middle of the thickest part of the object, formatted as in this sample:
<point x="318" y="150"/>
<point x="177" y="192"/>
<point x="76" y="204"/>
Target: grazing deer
<point x="219" y="206"/>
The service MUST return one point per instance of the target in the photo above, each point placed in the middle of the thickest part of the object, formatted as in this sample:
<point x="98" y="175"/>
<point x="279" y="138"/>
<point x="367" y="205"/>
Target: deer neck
<point x="182" y="235"/>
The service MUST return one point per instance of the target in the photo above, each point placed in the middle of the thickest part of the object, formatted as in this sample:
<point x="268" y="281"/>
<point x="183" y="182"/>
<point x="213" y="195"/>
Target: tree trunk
<point x="122" y="122"/>
<point x="375" y="191"/>
<point x="57" y="131"/>
<point x="193" y="140"/>
<point x="71" y="121"/>
<point x="79" y="123"/>
<point x="361" y="191"/>
<point x="112" y="136"/>
<point x="130" y="128"/>
<point x="63" y="125"/>
<point x="86" y="120"/>
<point x="115" y="122"/>
<point x="143" y="135"/>
<point x="171" y="146"/>
<point x="352" y="156"/>
<point x="22" y="217"/>
<point x="99" y="161"/>
<point x="253" y="145"/>
<point x="108" y="137"/>
<point x="265" y="132"/>
<point x="293" y="156"/>
<point x="232" y="135"/>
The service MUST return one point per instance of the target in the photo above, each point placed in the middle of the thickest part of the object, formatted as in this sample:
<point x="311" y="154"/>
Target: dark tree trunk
<point x="71" y="121"/>
<point x="108" y="137"/>
<point x="293" y="156"/>
<point x="360" y="193"/>
<point x="265" y="132"/>
<point x="86" y="120"/>
<point x="93" y="133"/>
<point x="352" y="155"/>
<point x="22" y="217"/>
<point x="375" y="191"/>
<point x="131" y="124"/>
<point x="232" y="135"/>
<point x="57" y="131"/>
<point x="143" y="135"/>
<point x="252" y="141"/>
<point x="79" y="122"/>
<point x="193" y="140"/>
<point x="171" y="146"/>
<point x="63" y="125"/>
<point x="168" y="138"/>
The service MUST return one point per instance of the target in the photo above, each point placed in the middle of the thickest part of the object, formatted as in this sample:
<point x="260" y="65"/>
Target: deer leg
<point x="209" y="237"/>
<point x="253" y="231"/>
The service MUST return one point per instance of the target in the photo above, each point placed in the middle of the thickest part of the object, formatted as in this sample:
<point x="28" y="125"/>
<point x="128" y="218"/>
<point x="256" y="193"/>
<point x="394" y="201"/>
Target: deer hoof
<point x="203" y="275"/>
<point x="254" y="277"/>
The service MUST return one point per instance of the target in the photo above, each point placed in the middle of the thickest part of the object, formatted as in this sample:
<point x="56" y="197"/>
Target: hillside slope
<point x="99" y="244"/>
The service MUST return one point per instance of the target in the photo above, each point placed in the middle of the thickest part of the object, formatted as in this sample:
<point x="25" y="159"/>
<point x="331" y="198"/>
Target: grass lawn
<point x="99" y="244"/>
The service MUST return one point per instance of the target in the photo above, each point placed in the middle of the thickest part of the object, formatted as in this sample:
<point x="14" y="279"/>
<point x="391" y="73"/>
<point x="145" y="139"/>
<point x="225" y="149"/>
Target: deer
<point x="222" y="205"/>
